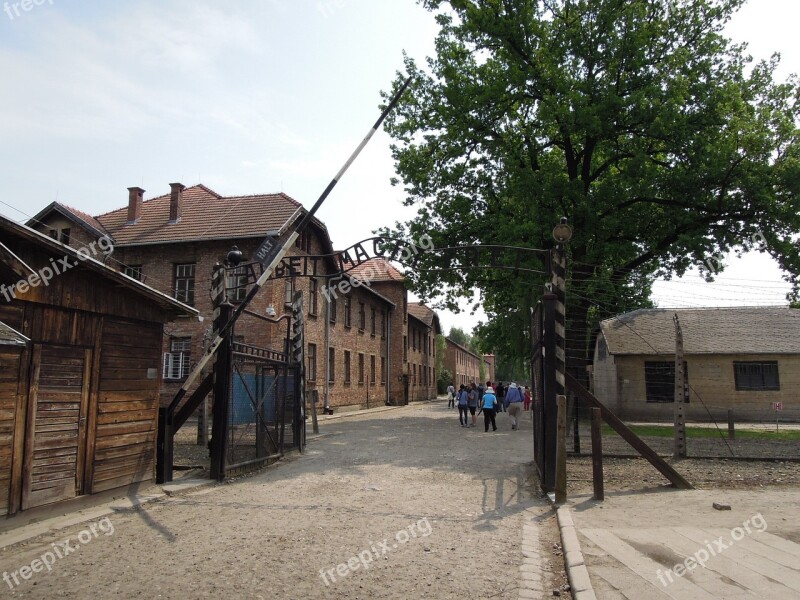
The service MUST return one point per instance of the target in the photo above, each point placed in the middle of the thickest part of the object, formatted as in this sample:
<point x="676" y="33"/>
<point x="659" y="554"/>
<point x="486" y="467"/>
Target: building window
<point x="383" y="324"/>
<point x="362" y="317"/>
<point x="360" y="367"/>
<point x="372" y="320"/>
<point x="659" y="379"/>
<point x="348" y="311"/>
<point x="331" y="365"/>
<point x="288" y="292"/>
<point x="761" y="375"/>
<point x="63" y="236"/>
<point x="178" y="359"/>
<point x="332" y="307"/>
<point x="312" y="292"/>
<point x="53" y="233"/>
<point x="372" y="369"/>
<point x="184" y="283"/>
<point x="238" y="284"/>
<point x="383" y="369"/>
<point x="312" y="362"/>
<point x="134" y="272"/>
<point x="414" y="375"/>
<point x="405" y="347"/>
<point x="347" y="366"/>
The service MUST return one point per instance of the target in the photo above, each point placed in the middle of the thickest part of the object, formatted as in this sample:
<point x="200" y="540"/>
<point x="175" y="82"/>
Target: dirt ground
<point x="418" y="506"/>
<point x="621" y="474"/>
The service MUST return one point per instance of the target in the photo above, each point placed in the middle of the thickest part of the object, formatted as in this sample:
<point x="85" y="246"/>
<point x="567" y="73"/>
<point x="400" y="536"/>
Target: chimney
<point x="175" y="200"/>
<point x="135" y="195"/>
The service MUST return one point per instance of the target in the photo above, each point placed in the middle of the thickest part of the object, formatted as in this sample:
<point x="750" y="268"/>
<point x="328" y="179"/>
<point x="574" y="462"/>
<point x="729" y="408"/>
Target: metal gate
<point x="261" y="412"/>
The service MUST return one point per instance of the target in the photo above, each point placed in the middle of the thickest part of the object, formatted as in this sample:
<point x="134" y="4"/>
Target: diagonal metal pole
<point x="283" y="250"/>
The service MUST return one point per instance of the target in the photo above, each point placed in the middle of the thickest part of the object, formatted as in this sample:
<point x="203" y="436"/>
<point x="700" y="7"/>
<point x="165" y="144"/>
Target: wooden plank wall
<point x="127" y="404"/>
<point x="9" y="374"/>
<point x="56" y="429"/>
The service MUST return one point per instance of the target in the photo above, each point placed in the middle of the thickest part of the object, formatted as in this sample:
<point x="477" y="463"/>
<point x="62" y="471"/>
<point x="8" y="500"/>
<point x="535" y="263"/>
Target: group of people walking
<point x="472" y="400"/>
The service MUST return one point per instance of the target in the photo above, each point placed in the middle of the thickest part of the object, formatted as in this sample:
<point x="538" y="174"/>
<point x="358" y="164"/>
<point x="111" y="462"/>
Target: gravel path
<point x="399" y="504"/>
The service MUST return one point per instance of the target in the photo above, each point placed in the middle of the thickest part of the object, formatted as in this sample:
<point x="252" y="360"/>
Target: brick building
<point x="489" y="367"/>
<point x="464" y="364"/>
<point x="354" y="333"/>
<point x="423" y="327"/>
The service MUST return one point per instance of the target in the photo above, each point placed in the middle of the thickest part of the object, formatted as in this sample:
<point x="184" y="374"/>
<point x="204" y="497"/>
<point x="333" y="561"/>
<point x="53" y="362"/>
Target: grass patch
<point x="786" y="435"/>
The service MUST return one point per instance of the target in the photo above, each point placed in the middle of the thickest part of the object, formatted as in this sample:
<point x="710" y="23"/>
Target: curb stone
<point x="577" y="573"/>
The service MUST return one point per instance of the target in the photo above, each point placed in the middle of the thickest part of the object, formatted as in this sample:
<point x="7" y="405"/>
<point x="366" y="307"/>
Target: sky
<point x="250" y="97"/>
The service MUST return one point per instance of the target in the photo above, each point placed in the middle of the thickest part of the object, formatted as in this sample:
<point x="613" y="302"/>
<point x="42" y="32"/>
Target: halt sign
<point x="268" y="249"/>
<point x="776" y="406"/>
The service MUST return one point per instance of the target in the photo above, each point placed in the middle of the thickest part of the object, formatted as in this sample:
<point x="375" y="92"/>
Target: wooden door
<point x="55" y="445"/>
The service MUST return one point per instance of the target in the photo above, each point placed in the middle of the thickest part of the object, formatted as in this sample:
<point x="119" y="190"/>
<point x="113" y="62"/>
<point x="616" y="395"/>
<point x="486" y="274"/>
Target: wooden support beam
<point x="203" y="390"/>
<point x="561" y="451"/>
<point x="731" y="426"/>
<point x="597" y="454"/>
<point x="629" y="436"/>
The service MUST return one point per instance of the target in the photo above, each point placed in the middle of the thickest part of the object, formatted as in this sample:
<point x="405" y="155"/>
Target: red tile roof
<point x="421" y="312"/>
<point x="205" y="215"/>
<point x="73" y="214"/>
<point x="377" y="269"/>
<point x="86" y="218"/>
<point x="426" y="315"/>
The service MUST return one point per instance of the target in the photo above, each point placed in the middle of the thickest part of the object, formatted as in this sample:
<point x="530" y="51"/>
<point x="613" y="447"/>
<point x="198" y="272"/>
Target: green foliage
<point x="443" y="379"/>
<point x="441" y="351"/>
<point x="459" y="336"/>
<point x="638" y="120"/>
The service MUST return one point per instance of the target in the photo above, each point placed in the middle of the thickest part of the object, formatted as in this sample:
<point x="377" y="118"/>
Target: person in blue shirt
<point x="462" y="406"/>
<point x="513" y="403"/>
<point x="489" y="408"/>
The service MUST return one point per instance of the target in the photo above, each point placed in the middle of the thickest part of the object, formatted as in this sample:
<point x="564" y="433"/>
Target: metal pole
<point x="276" y="260"/>
<point x="314" y="400"/>
<point x="550" y="407"/>
<point x="558" y="267"/>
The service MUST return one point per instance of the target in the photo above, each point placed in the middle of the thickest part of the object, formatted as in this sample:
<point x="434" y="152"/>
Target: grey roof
<point x="11" y="337"/>
<point x="737" y="330"/>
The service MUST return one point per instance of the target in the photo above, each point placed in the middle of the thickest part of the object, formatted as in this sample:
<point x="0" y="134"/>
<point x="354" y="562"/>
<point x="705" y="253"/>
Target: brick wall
<point x="463" y="364"/>
<point x="158" y="268"/>
<point x="398" y="322"/>
<point x="421" y="359"/>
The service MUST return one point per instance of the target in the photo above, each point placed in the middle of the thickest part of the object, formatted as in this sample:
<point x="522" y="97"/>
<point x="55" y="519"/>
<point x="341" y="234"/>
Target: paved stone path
<point x="397" y="504"/>
<point x="674" y="544"/>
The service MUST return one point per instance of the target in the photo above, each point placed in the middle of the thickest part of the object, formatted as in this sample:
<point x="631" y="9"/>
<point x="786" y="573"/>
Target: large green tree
<point x="657" y="137"/>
